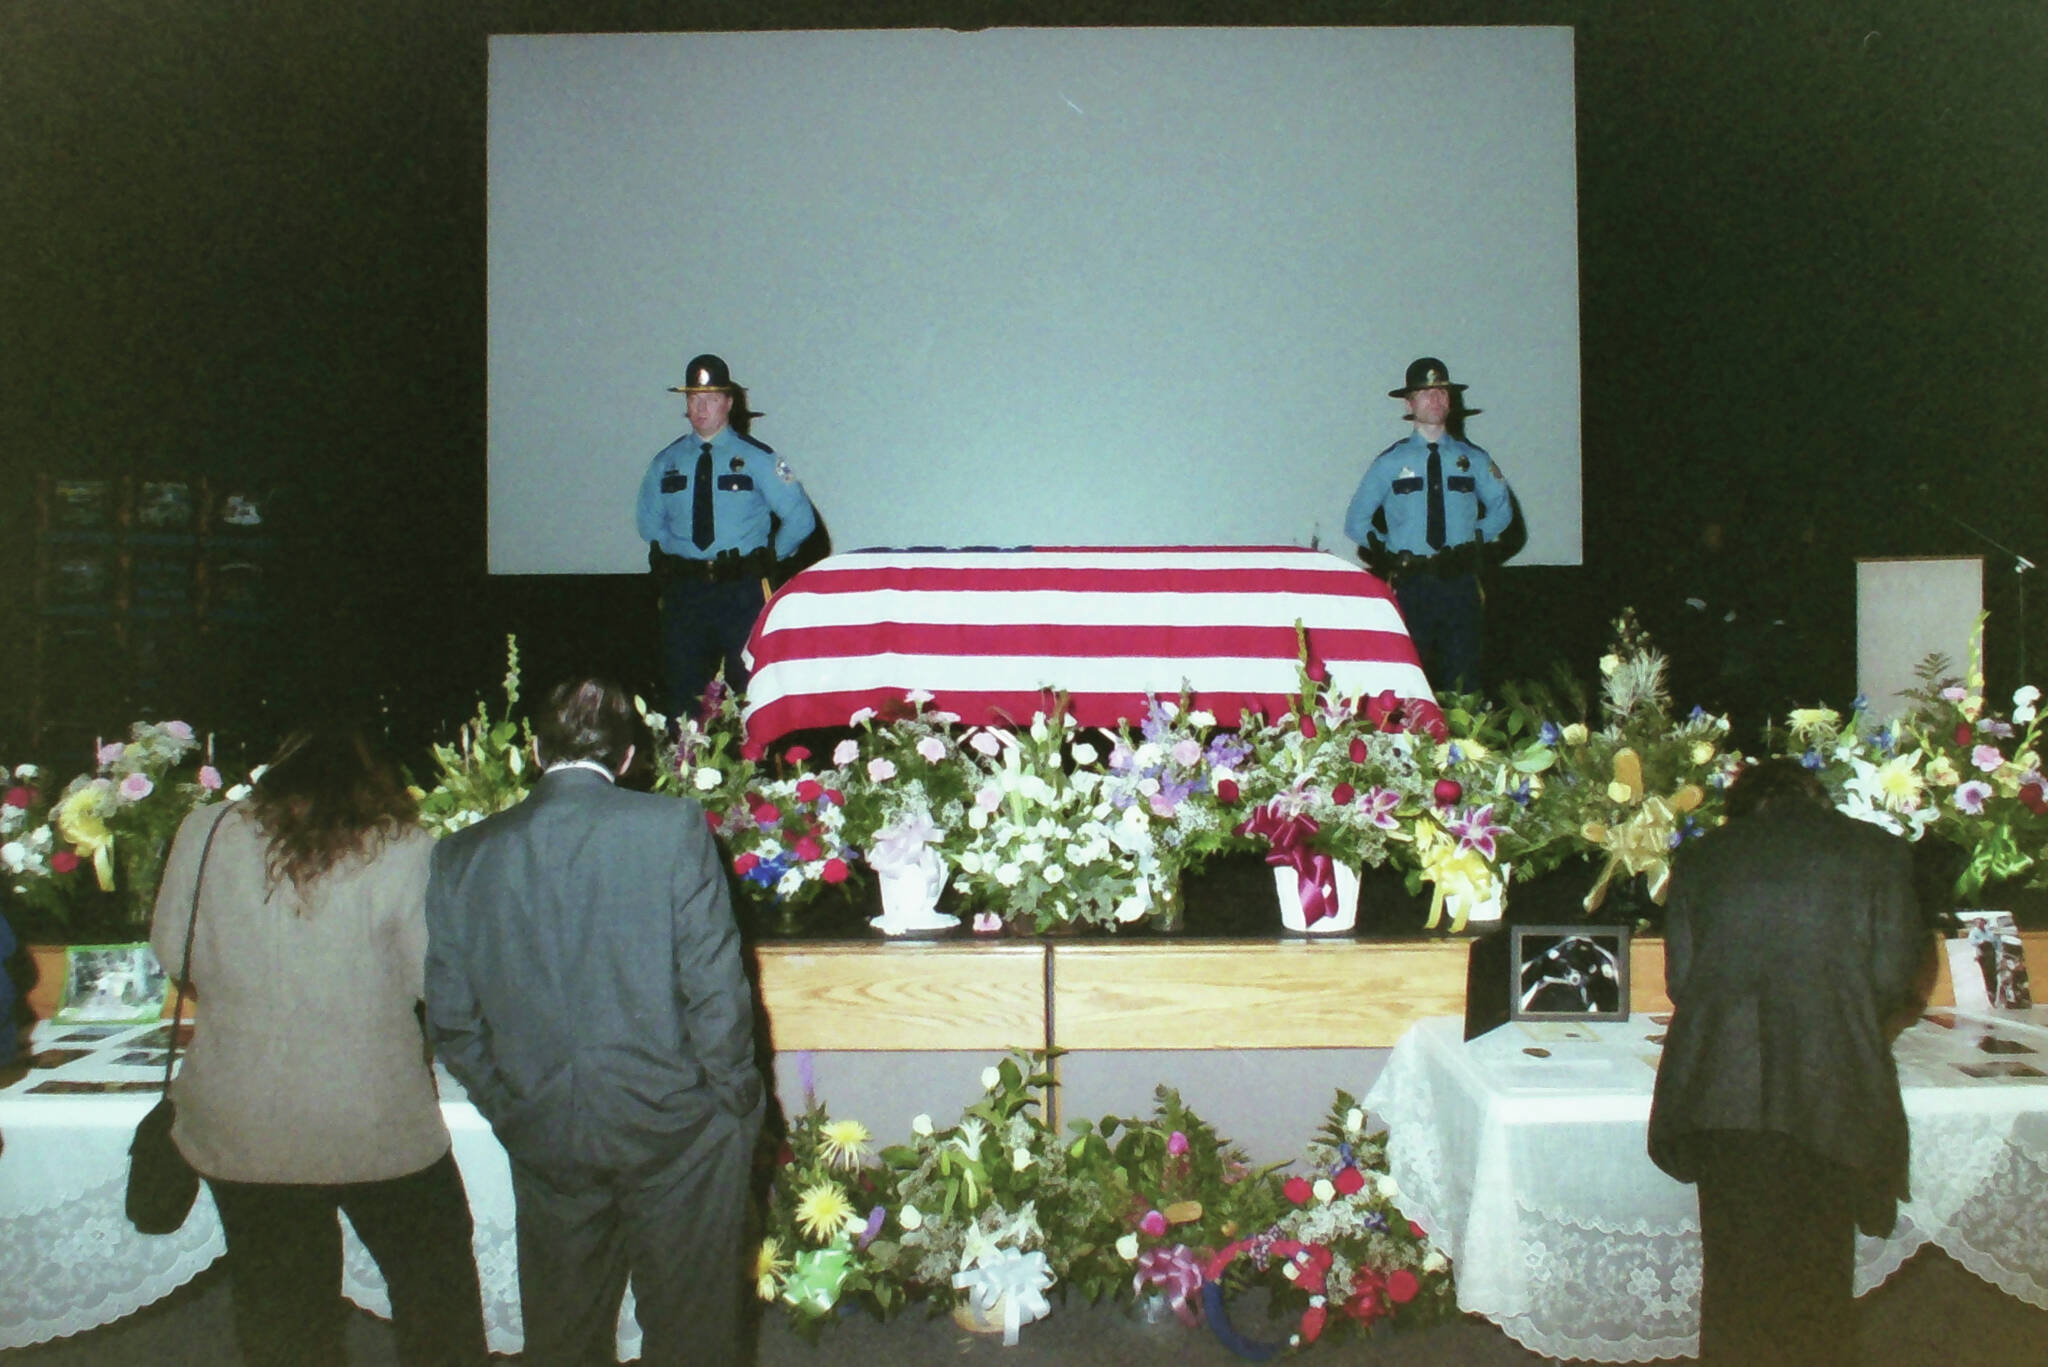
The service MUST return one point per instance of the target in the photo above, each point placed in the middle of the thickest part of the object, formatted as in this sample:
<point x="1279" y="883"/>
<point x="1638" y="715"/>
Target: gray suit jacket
<point x="1792" y="938"/>
<point x="584" y="978"/>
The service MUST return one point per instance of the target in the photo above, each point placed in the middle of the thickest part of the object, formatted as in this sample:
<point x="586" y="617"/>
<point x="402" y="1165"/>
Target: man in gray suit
<point x="1794" y="952"/>
<point x="584" y="983"/>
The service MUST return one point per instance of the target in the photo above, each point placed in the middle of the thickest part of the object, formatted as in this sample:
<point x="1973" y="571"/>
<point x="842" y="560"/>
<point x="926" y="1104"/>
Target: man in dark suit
<point x="584" y="983"/>
<point x="1794" y="953"/>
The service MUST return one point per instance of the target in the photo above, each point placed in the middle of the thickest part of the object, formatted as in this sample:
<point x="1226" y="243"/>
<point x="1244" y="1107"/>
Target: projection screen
<point x="1027" y="286"/>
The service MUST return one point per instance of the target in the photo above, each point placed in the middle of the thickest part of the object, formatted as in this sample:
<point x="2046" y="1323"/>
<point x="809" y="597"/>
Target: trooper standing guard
<point x="1426" y="509"/>
<point x="717" y="510"/>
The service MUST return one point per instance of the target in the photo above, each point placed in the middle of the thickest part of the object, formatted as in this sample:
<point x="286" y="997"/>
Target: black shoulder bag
<point x="161" y="1184"/>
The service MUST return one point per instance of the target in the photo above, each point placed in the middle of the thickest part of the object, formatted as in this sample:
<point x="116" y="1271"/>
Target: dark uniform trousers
<point x="678" y="1225"/>
<point x="284" y="1266"/>
<point x="702" y="621"/>
<point x="1443" y="617"/>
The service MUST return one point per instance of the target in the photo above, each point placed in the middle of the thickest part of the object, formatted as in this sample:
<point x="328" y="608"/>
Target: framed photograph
<point x="81" y="504"/>
<point x="1987" y="962"/>
<point x="109" y="984"/>
<point x="1568" y="973"/>
<point x="164" y="506"/>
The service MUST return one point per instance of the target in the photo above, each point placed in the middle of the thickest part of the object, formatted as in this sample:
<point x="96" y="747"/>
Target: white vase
<point x="910" y="896"/>
<point x="1288" y="884"/>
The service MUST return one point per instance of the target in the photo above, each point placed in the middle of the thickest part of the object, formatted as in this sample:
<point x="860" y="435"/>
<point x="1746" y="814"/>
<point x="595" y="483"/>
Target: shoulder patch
<point x="783" y="472"/>
<point x="1496" y="471"/>
<point x="757" y="445"/>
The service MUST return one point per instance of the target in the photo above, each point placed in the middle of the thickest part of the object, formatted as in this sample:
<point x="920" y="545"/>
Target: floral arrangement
<point x="1950" y="766"/>
<point x="115" y="822"/>
<point x="991" y="1214"/>
<point x="1343" y="1253"/>
<point x="487" y="769"/>
<point x="1045" y="844"/>
<point x="1047" y="825"/>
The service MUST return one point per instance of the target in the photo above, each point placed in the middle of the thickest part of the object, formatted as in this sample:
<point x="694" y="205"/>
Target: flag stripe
<point x="992" y="634"/>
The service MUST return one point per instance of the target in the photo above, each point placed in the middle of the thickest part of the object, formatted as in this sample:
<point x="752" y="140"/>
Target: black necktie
<point x="1436" y="499"/>
<point x="702" y="529"/>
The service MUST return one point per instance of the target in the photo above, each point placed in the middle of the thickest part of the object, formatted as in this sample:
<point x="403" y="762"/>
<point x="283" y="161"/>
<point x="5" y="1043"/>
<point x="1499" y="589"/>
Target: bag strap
<point x="185" y="965"/>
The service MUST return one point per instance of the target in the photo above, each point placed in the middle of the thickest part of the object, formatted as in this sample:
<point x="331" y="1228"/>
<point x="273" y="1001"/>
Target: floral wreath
<point x="1308" y="1265"/>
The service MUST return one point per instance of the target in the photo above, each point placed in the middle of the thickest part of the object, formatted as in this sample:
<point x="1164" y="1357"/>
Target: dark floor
<point x="1931" y="1312"/>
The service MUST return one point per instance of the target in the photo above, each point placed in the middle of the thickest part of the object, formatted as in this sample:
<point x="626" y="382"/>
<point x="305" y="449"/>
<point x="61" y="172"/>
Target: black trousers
<point x="677" y="1227"/>
<point x="702" y="623"/>
<point x="284" y="1266"/>
<point x="1778" y="1235"/>
<point x="1443" y="617"/>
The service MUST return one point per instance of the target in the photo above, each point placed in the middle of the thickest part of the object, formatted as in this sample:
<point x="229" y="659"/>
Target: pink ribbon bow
<point x="1176" y="1272"/>
<point x="1313" y="871"/>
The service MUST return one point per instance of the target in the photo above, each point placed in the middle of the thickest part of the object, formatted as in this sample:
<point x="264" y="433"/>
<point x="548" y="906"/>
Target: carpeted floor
<point x="1932" y="1312"/>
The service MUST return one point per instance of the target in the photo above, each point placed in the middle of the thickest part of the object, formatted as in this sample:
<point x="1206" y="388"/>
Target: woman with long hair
<point x="306" y="1088"/>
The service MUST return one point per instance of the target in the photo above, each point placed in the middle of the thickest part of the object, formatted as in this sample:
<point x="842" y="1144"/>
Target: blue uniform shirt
<point x="750" y="484"/>
<point x="1476" y="497"/>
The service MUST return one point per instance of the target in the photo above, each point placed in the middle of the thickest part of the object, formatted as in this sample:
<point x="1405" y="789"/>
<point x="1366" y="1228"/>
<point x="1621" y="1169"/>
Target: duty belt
<point x="722" y="568"/>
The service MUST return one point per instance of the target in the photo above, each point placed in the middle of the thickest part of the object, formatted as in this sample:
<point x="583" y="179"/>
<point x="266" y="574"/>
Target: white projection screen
<point x="1028" y="286"/>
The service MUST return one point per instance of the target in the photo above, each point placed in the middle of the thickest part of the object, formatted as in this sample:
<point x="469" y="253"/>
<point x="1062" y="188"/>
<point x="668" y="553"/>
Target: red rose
<point x="63" y="861"/>
<point x="810" y="790"/>
<point x="835" y="797"/>
<point x="746" y="863"/>
<point x="1318" y="672"/>
<point x="1358" y="749"/>
<point x="1226" y="791"/>
<point x="711" y="820"/>
<point x="1402" y="1286"/>
<point x="797" y="754"/>
<point x="807" y="849"/>
<point x="20" y="797"/>
<point x="1297" y="1190"/>
<point x="1963" y="733"/>
<point x="1448" y="790"/>
<point x="1342" y="794"/>
<point x="767" y="813"/>
<point x="1308" y="727"/>
<point x="834" y="871"/>
<point x="1349" y="1181"/>
<point x="1417" y="1230"/>
<point x="2034" y="798"/>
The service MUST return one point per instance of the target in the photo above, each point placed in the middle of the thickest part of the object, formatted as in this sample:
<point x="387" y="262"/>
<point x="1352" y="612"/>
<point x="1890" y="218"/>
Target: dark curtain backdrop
<point x="245" y="238"/>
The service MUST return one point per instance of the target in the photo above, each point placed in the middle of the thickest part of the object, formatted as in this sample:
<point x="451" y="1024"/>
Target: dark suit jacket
<point x="1793" y="938"/>
<point x="584" y="978"/>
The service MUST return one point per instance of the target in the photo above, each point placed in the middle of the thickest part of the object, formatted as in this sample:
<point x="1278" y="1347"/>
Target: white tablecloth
<point x="1532" y="1173"/>
<point x="70" y="1261"/>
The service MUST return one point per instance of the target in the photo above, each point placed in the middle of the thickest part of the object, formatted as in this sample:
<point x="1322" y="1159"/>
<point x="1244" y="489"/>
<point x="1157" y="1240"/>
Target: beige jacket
<point x="306" y="1062"/>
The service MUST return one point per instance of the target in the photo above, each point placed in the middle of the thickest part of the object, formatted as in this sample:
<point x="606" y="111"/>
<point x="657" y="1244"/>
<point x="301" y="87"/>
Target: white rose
<point x="1084" y="753"/>
<point x="846" y="752"/>
<point x="1009" y="875"/>
<point x="1386" y="1186"/>
<point x="1127" y="1247"/>
<point x="14" y="856"/>
<point x="920" y="1125"/>
<point x="1020" y="1159"/>
<point x="1323" y="1190"/>
<point x="1201" y="720"/>
<point x="708" y="778"/>
<point x="1435" y="1261"/>
<point x="910" y="1217"/>
<point x="1354" y="1120"/>
<point x="1038" y="731"/>
<point x="977" y="820"/>
<point x="991" y="1078"/>
<point x="1052" y="873"/>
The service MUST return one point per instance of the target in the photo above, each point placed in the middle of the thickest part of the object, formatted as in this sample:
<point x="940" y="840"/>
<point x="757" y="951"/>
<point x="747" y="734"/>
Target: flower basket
<point x="977" y="1320"/>
<point x="1341" y="911"/>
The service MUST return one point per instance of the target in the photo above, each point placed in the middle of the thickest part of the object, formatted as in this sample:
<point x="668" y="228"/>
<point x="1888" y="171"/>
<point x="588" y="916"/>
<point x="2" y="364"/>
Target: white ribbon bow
<point x="1015" y="1280"/>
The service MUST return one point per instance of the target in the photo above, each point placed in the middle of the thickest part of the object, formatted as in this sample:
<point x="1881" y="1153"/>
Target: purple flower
<point x="1379" y="805"/>
<point x="1186" y="753"/>
<point x="1550" y="735"/>
<point x="1988" y="758"/>
<point x="1176" y="1143"/>
<point x="136" y="787"/>
<point x="873" y="1226"/>
<point x="1475" y="830"/>
<point x="1971" y="796"/>
<point x="1153" y="1224"/>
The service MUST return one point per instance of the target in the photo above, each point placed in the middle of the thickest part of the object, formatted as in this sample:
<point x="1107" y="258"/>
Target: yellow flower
<point x="823" y="1210"/>
<point x="1941" y="772"/>
<point x="81" y="818"/>
<point x="1813" y="725"/>
<point x="769" y="1265"/>
<point x="1702" y="751"/>
<point x="845" y="1142"/>
<point x="1575" y="733"/>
